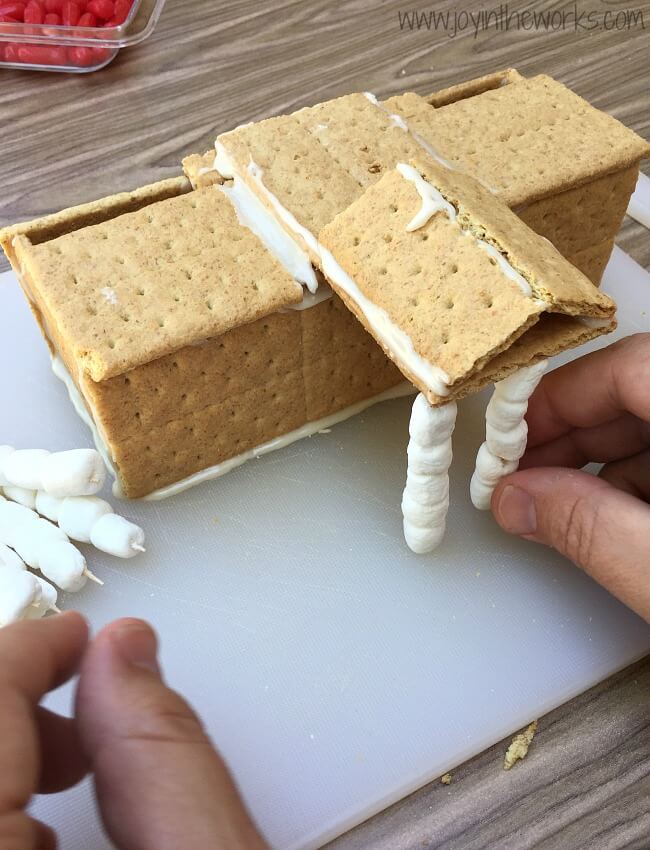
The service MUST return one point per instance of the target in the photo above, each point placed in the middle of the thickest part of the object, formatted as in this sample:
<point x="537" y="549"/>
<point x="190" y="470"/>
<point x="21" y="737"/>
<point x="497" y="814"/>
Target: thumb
<point x="160" y="784"/>
<point x="600" y="528"/>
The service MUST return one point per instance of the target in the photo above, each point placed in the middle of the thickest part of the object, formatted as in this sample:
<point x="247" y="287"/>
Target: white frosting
<point x="425" y="501"/>
<point x="76" y="472"/>
<point x="109" y="295"/>
<point x="252" y="214"/>
<point x="19" y="590"/>
<point x="432" y="199"/>
<point x="225" y="466"/>
<point x="506" y="432"/>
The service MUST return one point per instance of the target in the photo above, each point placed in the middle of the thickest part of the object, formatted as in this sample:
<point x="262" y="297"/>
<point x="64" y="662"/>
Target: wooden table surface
<point x="65" y="139"/>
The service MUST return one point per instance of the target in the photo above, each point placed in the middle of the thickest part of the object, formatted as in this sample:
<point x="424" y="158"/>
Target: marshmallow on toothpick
<point x="506" y="432"/>
<point x="43" y="546"/>
<point x="81" y="519"/>
<point x="117" y="536"/>
<point x="24" y="497"/>
<point x="79" y="472"/>
<point x="8" y="558"/>
<point x="426" y="496"/>
<point x="46" y="603"/>
<point x="19" y="591"/>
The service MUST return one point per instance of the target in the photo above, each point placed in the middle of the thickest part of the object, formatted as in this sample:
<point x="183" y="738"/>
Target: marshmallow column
<point x="91" y="520"/>
<point x="506" y="432"/>
<point x="425" y="501"/>
<point x="79" y="472"/>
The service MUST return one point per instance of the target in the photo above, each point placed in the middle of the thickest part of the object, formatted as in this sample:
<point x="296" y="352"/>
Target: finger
<point x="63" y="762"/>
<point x="601" y="529"/>
<point x="35" y="656"/>
<point x="592" y="390"/>
<point x="631" y="475"/>
<point x="147" y="747"/>
<point x="20" y="832"/>
<point x="613" y="440"/>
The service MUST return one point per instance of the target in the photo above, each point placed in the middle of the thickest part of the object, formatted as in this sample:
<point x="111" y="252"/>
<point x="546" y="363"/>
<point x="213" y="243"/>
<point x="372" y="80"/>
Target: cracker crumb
<point x="518" y="749"/>
<point x="446" y="779"/>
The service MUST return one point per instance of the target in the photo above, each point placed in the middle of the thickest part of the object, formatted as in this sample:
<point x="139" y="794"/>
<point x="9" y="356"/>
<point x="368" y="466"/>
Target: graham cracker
<point x="202" y="405"/>
<point x="524" y="140"/>
<point x="444" y="291"/>
<point x="144" y="284"/>
<point x="472" y="88"/>
<point x="585" y="216"/>
<point x="592" y="261"/>
<point x="296" y="168"/>
<point x="71" y="219"/>
<point x="360" y="137"/>
<point x="200" y="171"/>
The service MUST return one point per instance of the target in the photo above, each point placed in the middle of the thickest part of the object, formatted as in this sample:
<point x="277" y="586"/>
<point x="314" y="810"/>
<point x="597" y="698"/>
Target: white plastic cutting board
<point x="336" y="671"/>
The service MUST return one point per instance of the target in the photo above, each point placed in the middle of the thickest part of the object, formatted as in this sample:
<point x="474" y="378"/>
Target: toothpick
<point x="93" y="577"/>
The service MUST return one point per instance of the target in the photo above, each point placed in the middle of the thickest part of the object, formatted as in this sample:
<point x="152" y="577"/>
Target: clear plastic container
<point x="74" y="49"/>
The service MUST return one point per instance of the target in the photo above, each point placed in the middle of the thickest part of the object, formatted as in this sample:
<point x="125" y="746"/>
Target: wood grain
<point x="585" y="783"/>
<point x="70" y="138"/>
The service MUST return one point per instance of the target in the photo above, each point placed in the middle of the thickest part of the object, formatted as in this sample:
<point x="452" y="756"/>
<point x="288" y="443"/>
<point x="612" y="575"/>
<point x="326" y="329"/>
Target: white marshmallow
<point x="5" y="451"/>
<point x="8" y="558"/>
<point x="24" y="468"/>
<point x="425" y="501"/>
<point x="506" y="432"/>
<point x="48" y="506"/>
<point x="20" y="495"/>
<point x="117" y="536"/>
<point x="64" y="565"/>
<point x="79" y="514"/>
<point x="18" y="591"/>
<point x="79" y="472"/>
<point x="31" y="539"/>
<point x="47" y="602"/>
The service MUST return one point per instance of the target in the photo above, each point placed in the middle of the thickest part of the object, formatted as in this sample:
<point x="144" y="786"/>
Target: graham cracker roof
<point x="446" y="293"/>
<point x="130" y="289"/>
<point x="505" y="136"/>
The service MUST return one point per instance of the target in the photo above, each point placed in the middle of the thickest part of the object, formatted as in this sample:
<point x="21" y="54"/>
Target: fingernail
<point x="136" y="644"/>
<point x="515" y="511"/>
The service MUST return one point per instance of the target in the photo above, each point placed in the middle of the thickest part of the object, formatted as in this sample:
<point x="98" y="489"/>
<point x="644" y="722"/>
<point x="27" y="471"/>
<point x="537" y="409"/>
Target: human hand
<point x="595" y="409"/>
<point x="160" y="784"/>
<point x="39" y="750"/>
